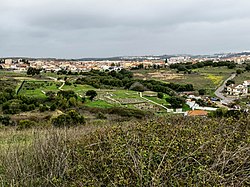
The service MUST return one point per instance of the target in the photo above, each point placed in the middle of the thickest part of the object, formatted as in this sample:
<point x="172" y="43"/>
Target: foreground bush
<point x="171" y="151"/>
<point x="25" y="124"/>
<point x="70" y="119"/>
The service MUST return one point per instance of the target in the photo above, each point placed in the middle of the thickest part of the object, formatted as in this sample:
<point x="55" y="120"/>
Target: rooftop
<point x="197" y="113"/>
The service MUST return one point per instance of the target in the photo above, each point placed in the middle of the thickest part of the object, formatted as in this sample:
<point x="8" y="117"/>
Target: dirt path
<point x="63" y="83"/>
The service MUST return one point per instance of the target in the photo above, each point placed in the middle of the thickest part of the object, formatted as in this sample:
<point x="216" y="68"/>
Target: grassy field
<point x="39" y="88"/>
<point x="158" y="100"/>
<point x="208" y="78"/>
<point x="106" y="98"/>
<point x="123" y="94"/>
<point x="99" y="104"/>
<point x="79" y="89"/>
<point x="42" y="87"/>
<point x="4" y="73"/>
<point x="239" y="79"/>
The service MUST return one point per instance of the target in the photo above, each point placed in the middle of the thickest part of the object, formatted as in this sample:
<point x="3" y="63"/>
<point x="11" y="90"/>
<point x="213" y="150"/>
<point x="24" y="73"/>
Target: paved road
<point x="219" y="91"/>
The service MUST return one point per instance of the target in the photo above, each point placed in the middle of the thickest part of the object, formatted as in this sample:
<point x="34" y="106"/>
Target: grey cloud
<point x="76" y="28"/>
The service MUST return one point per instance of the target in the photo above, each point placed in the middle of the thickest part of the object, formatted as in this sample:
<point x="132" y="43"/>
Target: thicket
<point x="169" y="151"/>
<point x="70" y="119"/>
<point x="190" y="66"/>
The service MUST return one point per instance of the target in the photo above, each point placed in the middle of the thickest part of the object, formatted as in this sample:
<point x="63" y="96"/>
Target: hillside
<point x="164" y="151"/>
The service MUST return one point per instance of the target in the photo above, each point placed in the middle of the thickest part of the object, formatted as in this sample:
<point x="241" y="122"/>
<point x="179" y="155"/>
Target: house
<point x="236" y="90"/>
<point x="246" y="83"/>
<point x="194" y="106"/>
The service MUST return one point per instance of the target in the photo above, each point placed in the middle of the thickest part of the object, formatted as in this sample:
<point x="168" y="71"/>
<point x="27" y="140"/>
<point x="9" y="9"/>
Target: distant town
<point x="116" y="63"/>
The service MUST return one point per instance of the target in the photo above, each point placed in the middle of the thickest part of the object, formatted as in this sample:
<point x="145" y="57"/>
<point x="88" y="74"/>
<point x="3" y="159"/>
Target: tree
<point x="71" y="118"/>
<point x="231" y="65"/>
<point x="182" y="68"/>
<point x="200" y="65"/>
<point x="92" y="94"/>
<point x="160" y="95"/>
<point x="33" y="71"/>
<point x="176" y="102"/>
<point x="248" y="67"/>
<point x="239" y="71"/>
<point x="140" y="66"/>
<point x="67" y="94"/>
<point x="137" y="87"/>
<point x="202" y="92"/>
<point x="229" y="82"/>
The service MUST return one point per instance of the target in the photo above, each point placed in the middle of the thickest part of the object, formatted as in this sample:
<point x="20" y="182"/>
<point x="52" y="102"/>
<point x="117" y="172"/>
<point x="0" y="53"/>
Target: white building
<point x="246" y="83"/>
<point x="176" y="60"/>
<point x="236" y="90"/>
<point x="8" y="61"/>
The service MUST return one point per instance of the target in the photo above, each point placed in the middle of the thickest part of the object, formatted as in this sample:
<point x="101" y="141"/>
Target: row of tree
<point x="189" y="66"/>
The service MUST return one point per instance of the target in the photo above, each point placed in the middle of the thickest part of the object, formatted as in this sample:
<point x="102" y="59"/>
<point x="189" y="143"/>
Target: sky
<point x="105" y="28"/>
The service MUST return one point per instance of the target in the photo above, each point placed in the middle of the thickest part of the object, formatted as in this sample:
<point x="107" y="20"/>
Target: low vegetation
<point x="164" y="151"/>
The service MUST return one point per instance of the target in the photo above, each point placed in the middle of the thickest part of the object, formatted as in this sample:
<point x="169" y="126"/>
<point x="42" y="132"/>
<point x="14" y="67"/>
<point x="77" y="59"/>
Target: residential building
<point x="236" y="90"/>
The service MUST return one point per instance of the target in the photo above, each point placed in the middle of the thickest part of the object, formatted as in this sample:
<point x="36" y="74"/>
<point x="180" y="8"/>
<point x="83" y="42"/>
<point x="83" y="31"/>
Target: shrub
<point x="25" y="124"/>
<point x="167" y="151"/>
<point x="126" y="112"/>
<point x="71" y="118"/>
<point x="202" y="92"/>
<point x="138" y="87"/>
<point x="160" y="95"/>
<point x="53" y="107"/>
<point x="100" y="115"/>
<point x="176" y="102"/>
<point x="43" y="108"/>
<point x="92" y="94"/>
<point x="5" y="120"/>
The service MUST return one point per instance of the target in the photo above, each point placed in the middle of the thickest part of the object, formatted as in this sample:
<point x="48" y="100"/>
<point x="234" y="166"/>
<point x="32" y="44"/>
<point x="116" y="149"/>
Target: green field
<point x="78" y="88"/>
<point x="208" y="78"/>
<point x="239" y="79"/>
<point x="123" y="94"/>
<point x="4" y="73"/>
<point x="98" y="104"/>
<point x="158" y="100"/>
<point x="39" y="88"/>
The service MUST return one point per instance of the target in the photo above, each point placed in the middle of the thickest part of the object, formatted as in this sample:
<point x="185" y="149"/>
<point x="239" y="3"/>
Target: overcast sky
<point x="102" y="28"/>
